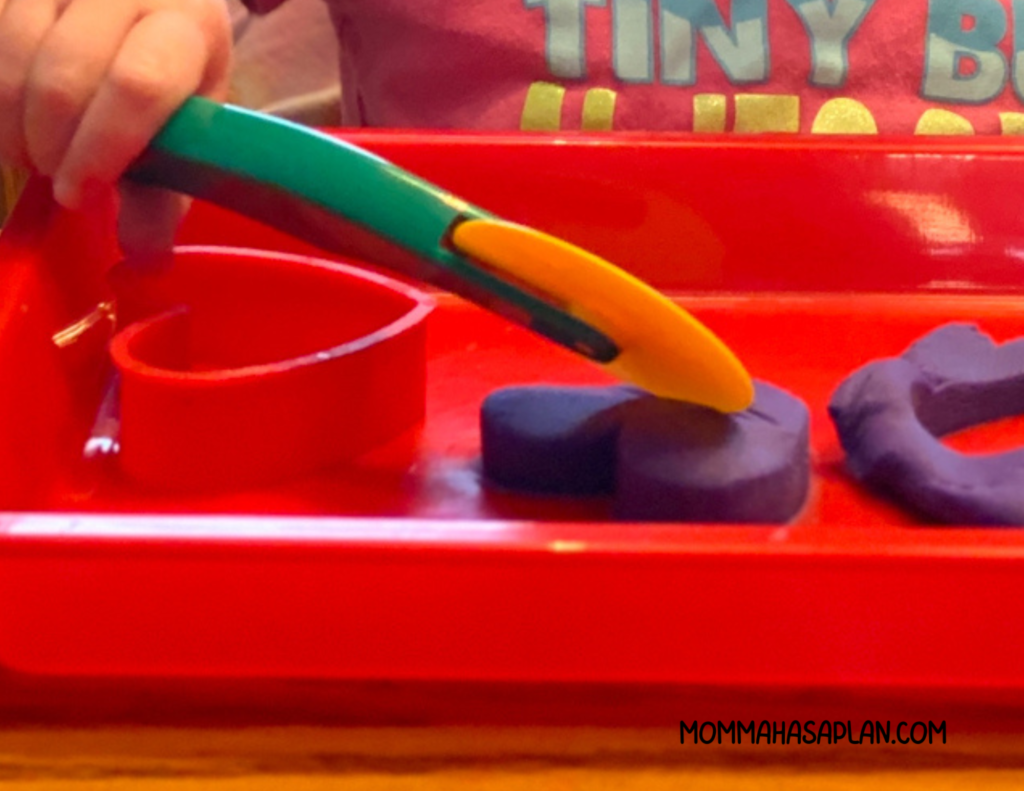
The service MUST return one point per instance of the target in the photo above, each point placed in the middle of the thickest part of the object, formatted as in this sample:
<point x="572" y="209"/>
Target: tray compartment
<point x="808" y="259"/>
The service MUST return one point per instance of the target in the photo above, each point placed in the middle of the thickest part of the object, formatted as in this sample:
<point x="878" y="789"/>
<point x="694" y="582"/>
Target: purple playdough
<point x="663" y="460"/>
<point x="891" y="413"/>
<point x="554" y="440"/>
<point x="684" y="463"/>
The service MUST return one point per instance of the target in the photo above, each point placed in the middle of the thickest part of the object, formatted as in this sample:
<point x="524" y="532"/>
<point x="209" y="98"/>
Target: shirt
<point x="796" y="66"/>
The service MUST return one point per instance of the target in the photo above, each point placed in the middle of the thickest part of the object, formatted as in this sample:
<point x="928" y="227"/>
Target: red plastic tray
<point x="808" y="258"/>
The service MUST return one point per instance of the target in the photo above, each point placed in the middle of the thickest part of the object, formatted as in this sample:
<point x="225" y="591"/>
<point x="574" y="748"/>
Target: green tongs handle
<point x="345" y="200"/>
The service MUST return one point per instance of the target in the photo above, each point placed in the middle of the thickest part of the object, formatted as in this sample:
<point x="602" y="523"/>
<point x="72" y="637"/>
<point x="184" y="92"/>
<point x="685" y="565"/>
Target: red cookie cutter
<point x="239" y="367"/>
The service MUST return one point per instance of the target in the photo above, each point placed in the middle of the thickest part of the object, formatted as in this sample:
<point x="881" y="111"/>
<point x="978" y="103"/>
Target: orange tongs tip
<point x="664" y="349"/>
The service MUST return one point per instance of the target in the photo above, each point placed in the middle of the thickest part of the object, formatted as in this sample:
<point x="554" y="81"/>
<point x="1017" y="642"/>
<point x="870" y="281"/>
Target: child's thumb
<point x="148" y="220"/>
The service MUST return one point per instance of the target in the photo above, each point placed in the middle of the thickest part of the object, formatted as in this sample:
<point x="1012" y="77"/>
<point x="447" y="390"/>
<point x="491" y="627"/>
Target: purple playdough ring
<point x="891" y="414"/>
<point x="661" y="460"/>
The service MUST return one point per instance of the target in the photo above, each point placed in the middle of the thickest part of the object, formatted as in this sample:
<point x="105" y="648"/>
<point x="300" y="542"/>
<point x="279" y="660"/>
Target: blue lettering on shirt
<point x="963" y="62"/>
<point x="566" y="45"/>
<point x="742" y="51"/>
<point x="830" y="26"/>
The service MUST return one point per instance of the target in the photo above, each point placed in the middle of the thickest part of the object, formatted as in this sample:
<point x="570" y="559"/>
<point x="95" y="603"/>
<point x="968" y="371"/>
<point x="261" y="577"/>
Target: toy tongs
<point x="351" y="202"/>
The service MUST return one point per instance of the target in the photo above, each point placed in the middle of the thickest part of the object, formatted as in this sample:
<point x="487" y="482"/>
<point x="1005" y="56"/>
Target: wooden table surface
<point x="486" y="757"/>
<point x="119" y="733"/>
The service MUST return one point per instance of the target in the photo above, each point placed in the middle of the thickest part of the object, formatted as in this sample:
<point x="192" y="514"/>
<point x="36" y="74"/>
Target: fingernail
<point x="67" y="194"/>
<point x="77" y="196"/>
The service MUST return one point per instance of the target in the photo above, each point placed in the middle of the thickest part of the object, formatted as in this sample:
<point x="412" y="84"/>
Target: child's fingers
<point x="23" y="27"/>
<point x="67" y="71"/>
<point x="217" y="31"/>
<point x="162" y="61"/>
<point x="148" y="220"/>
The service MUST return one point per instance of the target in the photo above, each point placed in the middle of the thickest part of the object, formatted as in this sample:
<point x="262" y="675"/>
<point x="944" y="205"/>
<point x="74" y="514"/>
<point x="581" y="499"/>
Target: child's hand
<point x="85" y="85"/>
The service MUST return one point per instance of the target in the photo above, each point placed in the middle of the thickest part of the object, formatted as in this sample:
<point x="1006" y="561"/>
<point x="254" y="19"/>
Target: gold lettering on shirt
<point x="542" y="111"/>
<point x="709" y="112"/>
<point x="1012" y="123"/>
<point x="598" y="110"/>
<point x="757" y="112"/>
<point x="754" y="113"/>
<point x="844" y="116"/>
<point x="943" y="122"/>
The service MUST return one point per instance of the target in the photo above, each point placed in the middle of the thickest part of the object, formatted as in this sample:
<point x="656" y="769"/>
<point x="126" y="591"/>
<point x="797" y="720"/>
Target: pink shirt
<point x="891" y="66"/>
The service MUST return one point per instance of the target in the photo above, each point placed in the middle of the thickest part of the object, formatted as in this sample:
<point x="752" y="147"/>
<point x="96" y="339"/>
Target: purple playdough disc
<point x="890" y="414"/>
<point x="553" y="440"/>
<point x="684" y="463"/>
<point x="663" y="460"/>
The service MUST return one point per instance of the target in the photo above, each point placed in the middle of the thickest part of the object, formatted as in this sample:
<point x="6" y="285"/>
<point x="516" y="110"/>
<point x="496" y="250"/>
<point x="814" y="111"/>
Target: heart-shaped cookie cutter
<point x="240" y="367"/>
